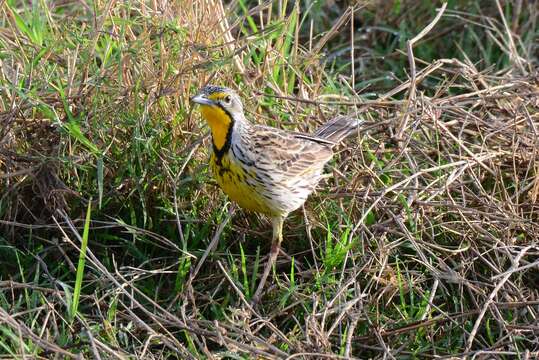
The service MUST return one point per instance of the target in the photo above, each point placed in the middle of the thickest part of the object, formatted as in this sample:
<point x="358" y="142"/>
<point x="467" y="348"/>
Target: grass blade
<point x="82" y="261"/>
<point x="100" y="179"/>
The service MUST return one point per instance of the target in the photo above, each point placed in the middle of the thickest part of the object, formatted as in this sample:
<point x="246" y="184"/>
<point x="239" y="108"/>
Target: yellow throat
<point x="219" y="122"/>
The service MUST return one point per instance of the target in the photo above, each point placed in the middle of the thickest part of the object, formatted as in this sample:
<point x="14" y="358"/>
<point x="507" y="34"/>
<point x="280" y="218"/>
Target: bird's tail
<point x="338" y="128"/>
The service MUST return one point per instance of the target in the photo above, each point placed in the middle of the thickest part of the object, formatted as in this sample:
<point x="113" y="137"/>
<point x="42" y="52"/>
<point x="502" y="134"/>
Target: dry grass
<point x="423" y="244"/>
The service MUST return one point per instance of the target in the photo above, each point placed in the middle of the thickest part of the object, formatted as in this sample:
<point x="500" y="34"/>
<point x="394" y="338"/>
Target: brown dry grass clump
<point x="423" y="243"/>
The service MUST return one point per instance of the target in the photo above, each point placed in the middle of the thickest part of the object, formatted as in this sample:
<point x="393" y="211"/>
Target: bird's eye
<point x="227" y="99"/>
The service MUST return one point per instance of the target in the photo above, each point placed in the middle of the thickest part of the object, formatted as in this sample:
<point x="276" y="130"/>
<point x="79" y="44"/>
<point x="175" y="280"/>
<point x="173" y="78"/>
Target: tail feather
<point x="338" y="128"/>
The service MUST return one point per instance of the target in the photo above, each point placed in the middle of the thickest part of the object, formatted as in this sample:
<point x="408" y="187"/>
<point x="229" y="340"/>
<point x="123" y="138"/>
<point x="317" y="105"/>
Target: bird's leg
<point x="277" y="223"/>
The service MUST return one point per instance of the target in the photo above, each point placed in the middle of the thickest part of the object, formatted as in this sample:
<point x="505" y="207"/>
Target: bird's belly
<point x="240" y="187"/>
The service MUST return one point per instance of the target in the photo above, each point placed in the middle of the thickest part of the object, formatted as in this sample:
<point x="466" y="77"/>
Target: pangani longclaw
<point x="265" y="169"/>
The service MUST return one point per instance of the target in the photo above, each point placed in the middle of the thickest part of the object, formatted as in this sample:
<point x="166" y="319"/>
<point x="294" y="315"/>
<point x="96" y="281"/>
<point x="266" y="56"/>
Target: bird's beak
<point x="202" y="100"/>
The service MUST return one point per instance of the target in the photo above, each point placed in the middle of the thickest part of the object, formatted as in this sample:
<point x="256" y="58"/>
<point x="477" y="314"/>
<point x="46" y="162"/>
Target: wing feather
<point x="289" y="155"/>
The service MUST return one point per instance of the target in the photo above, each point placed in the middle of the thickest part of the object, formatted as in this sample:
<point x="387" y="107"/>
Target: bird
<point x="265" y="169"/>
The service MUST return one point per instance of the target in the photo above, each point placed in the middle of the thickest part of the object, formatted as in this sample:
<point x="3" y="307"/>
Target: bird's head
<point x="220" y="107"/>
<point x="218" y="97"/>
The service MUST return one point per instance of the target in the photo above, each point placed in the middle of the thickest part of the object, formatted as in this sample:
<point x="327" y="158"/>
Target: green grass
<point x="80" y="265"/>
<point x="95" y="105"/>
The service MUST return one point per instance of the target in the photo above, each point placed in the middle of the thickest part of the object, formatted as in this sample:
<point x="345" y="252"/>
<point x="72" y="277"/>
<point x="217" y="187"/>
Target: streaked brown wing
<point x="290" y="154"/>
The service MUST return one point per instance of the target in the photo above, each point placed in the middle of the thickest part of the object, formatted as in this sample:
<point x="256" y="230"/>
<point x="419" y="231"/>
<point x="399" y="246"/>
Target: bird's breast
<point x="241" y="184"/>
